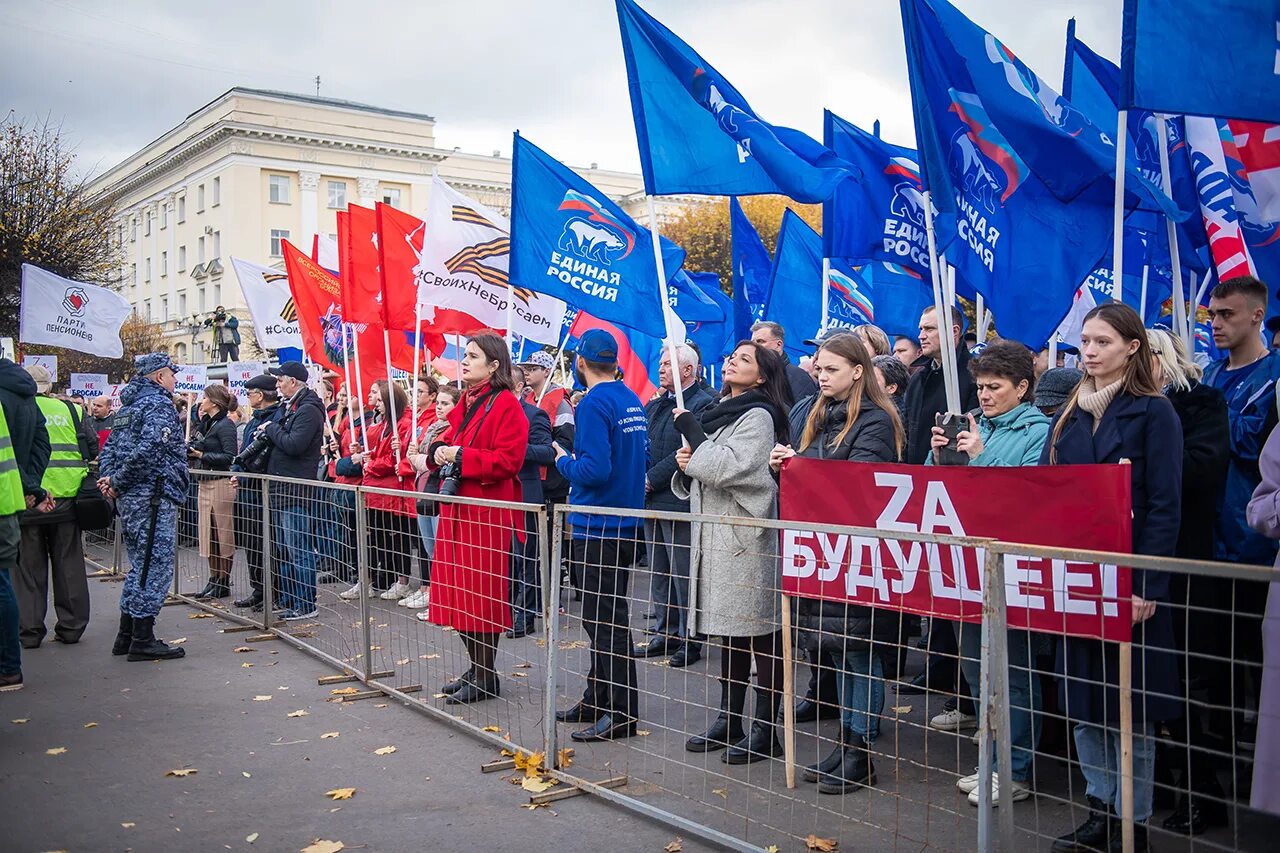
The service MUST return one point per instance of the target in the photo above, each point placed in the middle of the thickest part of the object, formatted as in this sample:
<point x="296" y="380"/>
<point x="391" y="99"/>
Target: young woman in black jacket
<point x="212" y="447"/>
<point x="852" y="419"/>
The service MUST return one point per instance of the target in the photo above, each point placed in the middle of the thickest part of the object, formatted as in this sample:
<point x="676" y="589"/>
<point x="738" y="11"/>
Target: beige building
<point x="253" y="168"/>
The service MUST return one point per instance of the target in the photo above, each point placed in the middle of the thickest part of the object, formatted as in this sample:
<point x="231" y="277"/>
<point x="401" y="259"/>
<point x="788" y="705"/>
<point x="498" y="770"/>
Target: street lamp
<point x="193" y="328"/>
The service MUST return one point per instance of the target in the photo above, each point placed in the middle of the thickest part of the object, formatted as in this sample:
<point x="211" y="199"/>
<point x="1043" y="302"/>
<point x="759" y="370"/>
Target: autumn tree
<point x="46" y="216"/>
<point x="703" y="230"/>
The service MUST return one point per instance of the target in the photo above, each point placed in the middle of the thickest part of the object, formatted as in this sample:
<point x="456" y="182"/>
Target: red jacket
<point x="380" y="468"/>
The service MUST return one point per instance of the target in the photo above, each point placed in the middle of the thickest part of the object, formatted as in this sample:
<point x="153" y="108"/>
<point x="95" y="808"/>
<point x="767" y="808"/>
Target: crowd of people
<point x="1204" y="475"/>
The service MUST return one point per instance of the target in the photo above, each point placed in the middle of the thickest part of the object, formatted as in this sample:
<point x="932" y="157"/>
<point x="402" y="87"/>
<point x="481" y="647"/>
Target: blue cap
<point x="597" y="345"/>
<point x="151" y="362"/>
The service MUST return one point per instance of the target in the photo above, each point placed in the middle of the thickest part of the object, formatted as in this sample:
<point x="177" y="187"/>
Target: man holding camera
<point x="226" y="334"/>
<point x="265" y="405"/>
<point x="295" y="437"/>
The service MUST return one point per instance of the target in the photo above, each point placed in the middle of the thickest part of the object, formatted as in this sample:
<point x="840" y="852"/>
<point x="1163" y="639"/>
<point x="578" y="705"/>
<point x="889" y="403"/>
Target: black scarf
<point x="727" y="410"/>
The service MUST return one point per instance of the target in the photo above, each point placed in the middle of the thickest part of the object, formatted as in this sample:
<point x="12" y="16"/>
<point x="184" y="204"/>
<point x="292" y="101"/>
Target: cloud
<point x="117" y="78"/>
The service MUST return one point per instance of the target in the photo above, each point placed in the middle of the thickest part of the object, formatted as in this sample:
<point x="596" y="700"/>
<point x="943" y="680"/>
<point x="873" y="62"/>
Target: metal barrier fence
<point x="340" y="561"/>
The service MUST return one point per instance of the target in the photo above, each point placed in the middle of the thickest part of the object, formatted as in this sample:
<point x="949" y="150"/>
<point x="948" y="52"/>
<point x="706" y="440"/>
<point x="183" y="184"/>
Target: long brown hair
<point x="851" y="350"/>
<point x="401" y="399"/>
<point x="220" y="396"/>
<point x="496" y="349"/>
<point x="1138" y="380"/>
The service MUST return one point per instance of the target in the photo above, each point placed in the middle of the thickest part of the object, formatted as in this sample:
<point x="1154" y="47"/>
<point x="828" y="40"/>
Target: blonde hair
<point x="851" y="350"/>
<point x="875" y="339"/>
<point x="1176" y="367"/>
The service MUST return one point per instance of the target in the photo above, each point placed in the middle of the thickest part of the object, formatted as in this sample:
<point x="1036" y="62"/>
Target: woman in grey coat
<point x="734" y="574"/>
<point x="1264" y="516"/>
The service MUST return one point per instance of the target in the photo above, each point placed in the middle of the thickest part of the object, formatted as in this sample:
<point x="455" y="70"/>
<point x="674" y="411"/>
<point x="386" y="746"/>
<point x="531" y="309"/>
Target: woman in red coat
<point x="483" y="448"/>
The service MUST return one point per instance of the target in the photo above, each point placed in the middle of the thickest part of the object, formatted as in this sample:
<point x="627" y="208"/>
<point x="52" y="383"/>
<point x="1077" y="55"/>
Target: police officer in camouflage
<point x="144" y="467"/>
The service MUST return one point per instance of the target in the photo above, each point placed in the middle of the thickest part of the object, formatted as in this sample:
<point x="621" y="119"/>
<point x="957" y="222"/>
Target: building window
<point x="182" y="304"/>
<point x="391" y="196"/>
<point x="146" y="310"/>
<point x="278" y="236"/>
<point x="164" y="216"/>
<point x="164" y="309"/>
<point x="147" y="268"/>
<point x="217" y="293"/>
<point x="278" y="189"/>
<point x="146" y="224"/>
<point x="133" y="230"/>
<point x="217" y="191"/>
<point x="182" y="260"/>
<point x="200" y="251"/>
<point x="217" y="244"/>
<point x="164" y="264"/>
<point x="337" y="195"/>
<point x="200" y="198"/>
<point x="180" y="352"/>
<point x="133" y="274"/>
<point x="200" y="299"/>
<point x="182" y="208"/>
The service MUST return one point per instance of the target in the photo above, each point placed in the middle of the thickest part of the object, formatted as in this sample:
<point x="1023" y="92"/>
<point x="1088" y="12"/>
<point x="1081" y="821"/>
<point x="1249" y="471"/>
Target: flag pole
<point x="1118" y="286"/>
<point x="364" y="426"/>
<point x="457" y="354"/>
<point x="564" y="339"/>
<point x="1195" y="308"/>
<point x="391" y="397"/>
<point x="672" y="354"/>
<point x="1171" y="228"/>
<point x="942" y="316"/>
<point x="981" y="317"/>
<point x="346" y="377"/>
<point x="826" y="293"/>
<point x="1117" y="236"/>
<point x="417" y="365"/>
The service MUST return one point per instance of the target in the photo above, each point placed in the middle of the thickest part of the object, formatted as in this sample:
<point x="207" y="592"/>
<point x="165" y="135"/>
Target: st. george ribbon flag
<point x="698" y="134"/>
<point x="752" y="269"/>
<point x="1219" y="59"/>
<point x="1029" y="177"/>
<point x="568" y="240"/>
<point x="61" y="312"/>
<point x="266" y="292"/>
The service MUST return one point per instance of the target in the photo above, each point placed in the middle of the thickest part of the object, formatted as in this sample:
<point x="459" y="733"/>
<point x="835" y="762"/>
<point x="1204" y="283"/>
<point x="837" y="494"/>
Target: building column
<point x="309" y="208"/>
<point x="368" y="189"/>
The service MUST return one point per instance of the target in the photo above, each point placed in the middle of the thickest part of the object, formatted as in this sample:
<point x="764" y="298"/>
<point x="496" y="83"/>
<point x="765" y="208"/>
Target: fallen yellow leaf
<point x="128" y="825"/>
<point x="344" y="691"/>
<point x="402" y="662"/>
<point x="328" y="735"/>
<point x="251" y="837"/>
<point x="245" y="665"/>
<point x="178" y="641"/>
<point x="321" y="845"/>
<point x="536" y="784"/>
<point x="57" y="750"/>
<point x="439" y="695"/>
<point x="772" y="848"/>
<point x="902" y="709"/>
<point x="20" y="721"/>
<point x="180" y="773"/>
<point x="90" y="725"/>
<point x="340" y="793"/>
<point x="564" y="757"/>
<point x="822" y="845"/>
<point x="643" y="732"/>
<point x="377" y="648"/>
<point x="384" y="750"/>
<point x="491" y="729"/>
<point x="428" y="657"/>
<point x="532" y="806"/>
<point x="519" y="675"/>
<point x="525" y="665"/>
<point x="245" y="774"/>
<point x="530" y="763"/>
<point x="200" y="616"/>
<point x="243" y="649"/>
<point x="265" y="698"/>
<point x="302" y="712"/>
<point x="722" y="793"/>
<point x="674" y="846"/>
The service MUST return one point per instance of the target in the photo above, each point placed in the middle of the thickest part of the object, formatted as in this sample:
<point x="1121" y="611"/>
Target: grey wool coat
<point x="734" y="572"/>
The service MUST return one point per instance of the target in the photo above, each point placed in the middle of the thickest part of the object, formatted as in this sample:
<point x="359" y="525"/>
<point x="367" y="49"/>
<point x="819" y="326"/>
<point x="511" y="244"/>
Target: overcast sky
<point x="117" y="75"/>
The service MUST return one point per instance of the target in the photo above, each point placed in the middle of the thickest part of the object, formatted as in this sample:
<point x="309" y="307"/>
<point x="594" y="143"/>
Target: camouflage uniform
<point x="147" y="452"/>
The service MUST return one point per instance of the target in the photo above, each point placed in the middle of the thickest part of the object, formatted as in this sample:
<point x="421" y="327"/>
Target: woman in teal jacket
<point x="1009" y="432"/>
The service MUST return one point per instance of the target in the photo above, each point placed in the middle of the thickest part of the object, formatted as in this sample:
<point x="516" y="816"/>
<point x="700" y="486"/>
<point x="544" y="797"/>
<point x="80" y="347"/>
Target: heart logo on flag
<point x="74" y="300"/>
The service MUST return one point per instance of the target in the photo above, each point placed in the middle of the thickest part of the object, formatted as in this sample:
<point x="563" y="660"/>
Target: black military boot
<point x="1092" y="835"/>
<point x="145" y="646"/>
<point x="124" y="636"/>
<point x="727" y="727"/>
<point x="818" y="772"/>
<point x="761" y="742"/>
<point x="854" y="771"/>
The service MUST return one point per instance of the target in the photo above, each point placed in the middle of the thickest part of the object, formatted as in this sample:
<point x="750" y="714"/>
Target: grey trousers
<point x="668" y="543"/>
<point x="52" y="549"/>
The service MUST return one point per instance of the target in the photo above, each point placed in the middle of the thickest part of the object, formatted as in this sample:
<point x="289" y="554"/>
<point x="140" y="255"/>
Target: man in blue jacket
<point x="525" y="583"/>
<point x="607" y="470"/>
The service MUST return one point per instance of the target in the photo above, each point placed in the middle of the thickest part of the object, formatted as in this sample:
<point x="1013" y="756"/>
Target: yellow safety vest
<point x="67" y="468"/>
<point x="12" y="500"/>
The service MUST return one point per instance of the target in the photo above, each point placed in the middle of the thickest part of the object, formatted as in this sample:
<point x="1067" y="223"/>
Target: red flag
<point x="399" y="249"/>
<point x="361" y="278"/>
<point x="317" y="303"/>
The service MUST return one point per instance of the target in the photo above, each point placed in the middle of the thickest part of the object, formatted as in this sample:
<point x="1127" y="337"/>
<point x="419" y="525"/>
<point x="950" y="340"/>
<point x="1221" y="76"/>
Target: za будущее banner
<point x="1080" y="507"/>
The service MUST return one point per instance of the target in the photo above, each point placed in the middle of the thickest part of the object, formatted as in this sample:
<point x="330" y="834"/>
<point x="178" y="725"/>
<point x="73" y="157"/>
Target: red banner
<point x="1083" y="507"/>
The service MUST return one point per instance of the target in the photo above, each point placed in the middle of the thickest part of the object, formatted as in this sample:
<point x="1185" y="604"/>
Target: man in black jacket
<point x="525" y="583"/>
<point x="30" y="446"/>
<point x="771" y="336"/>
<point x="265" y="403"/>
<point x="295" y="452"/>
<point x="667" y="540"/>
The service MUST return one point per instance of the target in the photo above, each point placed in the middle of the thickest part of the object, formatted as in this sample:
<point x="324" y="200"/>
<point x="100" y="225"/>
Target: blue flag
<point x="713" y="338"/>
<point x="690" y="302"/>
<point x="795" y="295"/>
<point x="1219" y="59"/>
<point x="752" y="271"/>
<point x="698" y="135"/>
<point x="851" y="298"/>
<point x="880" y="217"/>
<point x="569" y="241"/>
<point x="899" y="295"/>
<point x="1033" y="216"/>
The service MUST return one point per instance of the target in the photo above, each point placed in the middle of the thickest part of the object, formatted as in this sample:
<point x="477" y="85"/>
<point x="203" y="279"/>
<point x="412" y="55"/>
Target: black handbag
<point x="93" y="510"/>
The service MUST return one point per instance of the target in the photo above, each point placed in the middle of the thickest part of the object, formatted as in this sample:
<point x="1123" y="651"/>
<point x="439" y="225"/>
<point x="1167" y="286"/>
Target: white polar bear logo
<point x="592" y="242"/>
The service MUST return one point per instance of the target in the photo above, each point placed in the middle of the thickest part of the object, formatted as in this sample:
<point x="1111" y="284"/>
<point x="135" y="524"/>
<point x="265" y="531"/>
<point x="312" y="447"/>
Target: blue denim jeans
<point x="10" y="649"/>
<point x="427" y="529"/>
<point x="292" y="527"/>
<point x="861" y="681"/>
<point x="1099" y="751"/>
<point x="1025" y="700"/>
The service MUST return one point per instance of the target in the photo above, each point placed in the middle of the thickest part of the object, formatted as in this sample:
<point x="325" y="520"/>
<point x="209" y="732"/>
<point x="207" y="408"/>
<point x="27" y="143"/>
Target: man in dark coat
<point x="265" y="405"/>
<point x="770" y="335"/>
<point x="525" y="583"/>
<point x="667" y="540"/>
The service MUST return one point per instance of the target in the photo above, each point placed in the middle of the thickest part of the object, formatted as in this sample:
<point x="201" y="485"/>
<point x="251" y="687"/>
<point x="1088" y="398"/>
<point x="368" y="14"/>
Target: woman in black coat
<point x="1116" y="413"/>
<point x="852" y="419"/>
<point x="1201" y="627"/>
<point x="212" y="447"/>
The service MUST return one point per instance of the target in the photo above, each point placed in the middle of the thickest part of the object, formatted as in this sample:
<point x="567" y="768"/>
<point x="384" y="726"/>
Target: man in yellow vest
<point x="24" y="454"/>
<point x="52" y="538"/>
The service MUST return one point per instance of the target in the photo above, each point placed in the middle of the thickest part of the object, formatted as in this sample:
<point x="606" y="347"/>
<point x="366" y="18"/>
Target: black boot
<point x="483" y="684"/>
<point x="818" y="772"/>
<point x="761" y="741"/>
<point x="145" y="646"/>
<point x="456" y="685"/>
<point x="1092" y="836"/>
<point x="727" y="727"/>
<point x="207" y="592"/>
<point x="1195" y="814"/>
<point x="124" y="636"/>
<point x="253" y="599"/>
<point x="1141" y="844"/>
<point x="855" y="770"/>
<point x="217" y="588"/>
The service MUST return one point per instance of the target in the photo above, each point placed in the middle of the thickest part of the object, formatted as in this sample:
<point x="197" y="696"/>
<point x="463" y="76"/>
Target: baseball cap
<point x="826" y="335"/>
<point x="292" y="369"/>
<point x="541" y="358"/>
<point x="261" y="382"/>
<point x="597" y="345"/>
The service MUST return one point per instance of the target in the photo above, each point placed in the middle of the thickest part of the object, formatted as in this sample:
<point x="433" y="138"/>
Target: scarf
<point x="728" y="410"/>
<point x="474" y="393"/>
<point x="1095" y="400"/>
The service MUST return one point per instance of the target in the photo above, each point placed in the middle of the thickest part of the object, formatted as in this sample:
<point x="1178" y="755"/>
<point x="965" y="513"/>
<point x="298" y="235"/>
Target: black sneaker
<point x="11" y="682"/>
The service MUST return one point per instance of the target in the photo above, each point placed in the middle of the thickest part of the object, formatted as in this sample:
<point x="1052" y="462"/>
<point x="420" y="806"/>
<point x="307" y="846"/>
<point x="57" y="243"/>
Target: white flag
<point x="266" y="292"/>
<point x="326" y="253"/>
<point x="466" y="250"/>
<point x="1073" y="324"/>
<point x="64" y="313"/>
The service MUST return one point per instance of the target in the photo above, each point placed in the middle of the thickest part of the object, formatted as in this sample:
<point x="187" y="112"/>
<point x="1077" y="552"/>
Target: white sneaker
<point x="351" y="594"/>
<point x="415" y="600"/>
<point x="423" y="615"/>
<point x="1018" y="791"/>
<point x="965" y="784"/>
<point x="396" y="592"/>
<point x="952" y="721"/>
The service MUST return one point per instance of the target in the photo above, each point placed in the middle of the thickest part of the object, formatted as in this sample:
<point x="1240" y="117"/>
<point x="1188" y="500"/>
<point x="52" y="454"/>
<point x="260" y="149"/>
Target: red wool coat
<point x="470" y="575"/>
<point x="380" y="468"/>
